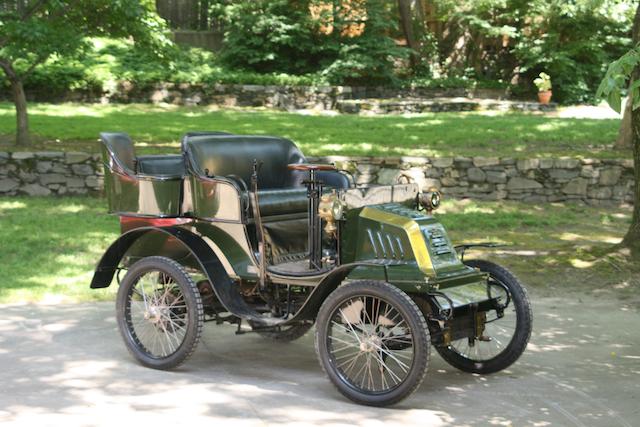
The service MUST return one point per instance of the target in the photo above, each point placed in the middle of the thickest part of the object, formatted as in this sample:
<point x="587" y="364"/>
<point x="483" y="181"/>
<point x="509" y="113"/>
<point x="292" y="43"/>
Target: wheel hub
<point x="155" y="313"/>
<point x="370" y="343"/>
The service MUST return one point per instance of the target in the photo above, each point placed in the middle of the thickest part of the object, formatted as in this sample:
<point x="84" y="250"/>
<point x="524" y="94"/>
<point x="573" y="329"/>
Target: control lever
<point x="253" y="196"/>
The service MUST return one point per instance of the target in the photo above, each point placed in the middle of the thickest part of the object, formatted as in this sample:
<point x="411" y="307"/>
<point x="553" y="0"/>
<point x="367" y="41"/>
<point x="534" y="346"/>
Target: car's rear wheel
<point x="506" y="331"/>
<point x="373" y="342"/>
<point x="159" y="312"/>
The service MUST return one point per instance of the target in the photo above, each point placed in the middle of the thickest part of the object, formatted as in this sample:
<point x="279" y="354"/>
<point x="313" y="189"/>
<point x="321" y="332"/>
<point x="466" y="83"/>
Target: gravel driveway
<point x="66" y="364"/>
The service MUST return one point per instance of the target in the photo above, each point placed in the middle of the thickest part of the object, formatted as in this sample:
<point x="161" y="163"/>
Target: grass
<point x="50" y="246"/>
<point x="157" y="129"/>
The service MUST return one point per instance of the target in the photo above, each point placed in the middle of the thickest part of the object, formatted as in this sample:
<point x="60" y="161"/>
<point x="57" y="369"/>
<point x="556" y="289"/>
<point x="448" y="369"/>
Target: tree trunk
<point x="632" y="238"/>
<point x="625" y="133"/>
<point x="22" y="119"/>
<point x="406" y="22"/>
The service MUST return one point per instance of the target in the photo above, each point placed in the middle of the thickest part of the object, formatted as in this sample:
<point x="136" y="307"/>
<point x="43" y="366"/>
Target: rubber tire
<point x="524" y="323"/>
<point x="192" y="299"/>
<point x="291" y="333"/>
<point x="409" y="310"/>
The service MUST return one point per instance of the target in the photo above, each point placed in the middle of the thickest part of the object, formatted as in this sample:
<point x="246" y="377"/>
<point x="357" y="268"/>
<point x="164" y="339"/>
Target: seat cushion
<point x="282" y="201"/>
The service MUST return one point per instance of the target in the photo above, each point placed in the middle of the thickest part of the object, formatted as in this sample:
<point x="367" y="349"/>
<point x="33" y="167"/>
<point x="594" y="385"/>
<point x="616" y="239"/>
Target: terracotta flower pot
<point x="544" y="96"/>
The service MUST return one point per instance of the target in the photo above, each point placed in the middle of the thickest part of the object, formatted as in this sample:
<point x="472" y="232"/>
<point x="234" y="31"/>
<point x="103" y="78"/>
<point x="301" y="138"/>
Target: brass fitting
<point x="330" y="210"/>
<point x="430" y="199"/>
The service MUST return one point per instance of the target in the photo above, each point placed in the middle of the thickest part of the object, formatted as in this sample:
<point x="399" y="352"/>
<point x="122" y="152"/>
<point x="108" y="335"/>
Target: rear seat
<point x="120" y="154"/>
<point x="140" y="186"/>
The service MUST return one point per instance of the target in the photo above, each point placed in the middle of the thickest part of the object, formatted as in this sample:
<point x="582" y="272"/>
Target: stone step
<point x="375" y="106"/>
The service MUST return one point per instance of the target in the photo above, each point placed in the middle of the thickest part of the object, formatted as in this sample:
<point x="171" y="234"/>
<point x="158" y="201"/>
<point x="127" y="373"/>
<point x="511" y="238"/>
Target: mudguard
<point x="209" y="263"/>
<point x="328" y="284"/>
<point x="225" y="289"/>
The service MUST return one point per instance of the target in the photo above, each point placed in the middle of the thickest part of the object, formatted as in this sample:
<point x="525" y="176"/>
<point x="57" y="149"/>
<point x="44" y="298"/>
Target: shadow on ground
<point x="67" y="364"/>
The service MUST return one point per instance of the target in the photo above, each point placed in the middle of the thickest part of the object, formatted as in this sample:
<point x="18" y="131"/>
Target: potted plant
<point x="543" y="83"/>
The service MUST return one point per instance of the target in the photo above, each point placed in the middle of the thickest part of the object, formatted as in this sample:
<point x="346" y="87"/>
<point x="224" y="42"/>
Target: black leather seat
<point x="280" y="190"/>
<point x="161" y="165"/>
<point x="145" y="185"/>
<point x="118" y="152"/>
<point x="121" y="155"/>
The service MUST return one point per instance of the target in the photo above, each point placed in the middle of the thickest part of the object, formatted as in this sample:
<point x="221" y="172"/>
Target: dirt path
<point x="65" y="364"/>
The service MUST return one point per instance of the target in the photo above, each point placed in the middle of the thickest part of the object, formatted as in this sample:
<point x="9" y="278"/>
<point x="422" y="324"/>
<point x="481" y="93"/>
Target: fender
<point x="328" y="284"/>
<point x="224" y="288"/>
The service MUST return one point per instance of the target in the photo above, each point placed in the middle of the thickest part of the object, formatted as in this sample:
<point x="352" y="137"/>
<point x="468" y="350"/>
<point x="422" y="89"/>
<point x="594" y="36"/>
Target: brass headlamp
<point x="330" y="209"/>
<point x="430" y="200"/>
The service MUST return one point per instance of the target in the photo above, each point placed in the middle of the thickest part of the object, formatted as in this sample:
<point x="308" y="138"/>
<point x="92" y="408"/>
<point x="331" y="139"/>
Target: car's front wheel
<point x="506" y="330"/>
<point x="373" y="342"/>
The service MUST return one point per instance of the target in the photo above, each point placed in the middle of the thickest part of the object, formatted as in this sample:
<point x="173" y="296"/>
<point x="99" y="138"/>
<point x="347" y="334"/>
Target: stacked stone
<point x="419" y="105"/>
<point x="535" y="180"/>
<point x="48" y="173"/>
<point x="321" y="97"/>
<point x="283" y="97"/>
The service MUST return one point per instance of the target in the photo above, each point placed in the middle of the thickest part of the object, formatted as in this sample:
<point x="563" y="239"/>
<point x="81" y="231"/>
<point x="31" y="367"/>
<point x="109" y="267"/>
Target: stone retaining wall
<point x="274" y="96"/>
<point x="490" y="178"/>
<point x="50" y="173"/>
<point x="485" y="178"/>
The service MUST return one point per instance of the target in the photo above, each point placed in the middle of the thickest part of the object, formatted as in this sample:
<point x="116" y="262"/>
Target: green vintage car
<point x="242" y="229"/>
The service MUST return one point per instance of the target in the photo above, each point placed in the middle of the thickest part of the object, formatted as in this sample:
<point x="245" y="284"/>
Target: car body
<point x="245" y="225"/>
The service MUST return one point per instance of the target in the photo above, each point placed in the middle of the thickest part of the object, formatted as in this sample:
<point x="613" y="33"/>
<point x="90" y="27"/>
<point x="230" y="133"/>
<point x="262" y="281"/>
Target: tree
<point x="406" y="24"/>
<point x="627" y="68"/>
<point x="625" y="133"/>
<point x="32" y="31"/>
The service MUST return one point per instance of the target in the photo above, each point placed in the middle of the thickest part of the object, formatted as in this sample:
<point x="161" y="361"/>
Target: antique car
<point x="242" y="229"/>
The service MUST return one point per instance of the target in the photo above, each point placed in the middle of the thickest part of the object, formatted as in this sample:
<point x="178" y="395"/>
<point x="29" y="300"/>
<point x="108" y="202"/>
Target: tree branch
<point x="8" y="69"/>
<point x="32" y="9"/>
<point x="39" y="60"/>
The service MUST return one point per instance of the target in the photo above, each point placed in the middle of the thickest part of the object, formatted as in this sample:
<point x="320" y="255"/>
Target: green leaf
<point x="615" y="101"/>
<point x="634" y="96"/>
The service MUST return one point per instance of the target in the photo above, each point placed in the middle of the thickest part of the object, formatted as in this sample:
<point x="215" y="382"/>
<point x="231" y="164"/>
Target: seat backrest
<point x="191" y="134"/>
<point x="119" y="150"/>
<point x="225" y="155"/>
<point x="161" y="165"/>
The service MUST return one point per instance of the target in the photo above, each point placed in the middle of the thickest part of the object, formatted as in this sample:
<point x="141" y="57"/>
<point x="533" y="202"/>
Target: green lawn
<point x="49" y="246"/>
<point x="158" y="129"/>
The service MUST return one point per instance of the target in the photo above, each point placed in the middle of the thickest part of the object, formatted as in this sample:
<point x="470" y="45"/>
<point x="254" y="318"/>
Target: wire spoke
<point x="157" y="314"/>
<point x="361" y="351"/>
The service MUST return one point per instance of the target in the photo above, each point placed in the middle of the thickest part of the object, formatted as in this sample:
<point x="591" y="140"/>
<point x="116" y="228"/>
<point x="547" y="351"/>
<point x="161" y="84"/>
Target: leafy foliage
<point x="543" y="82"/>
<point x="59" y="28"/>
<point x="515" y="40"/>
<point x="614" y="83"/>
<point x="106" y="62"/>
<point x="460" y="43"/>
<point x="271" y="36"/>
<point x="283" y="36"/>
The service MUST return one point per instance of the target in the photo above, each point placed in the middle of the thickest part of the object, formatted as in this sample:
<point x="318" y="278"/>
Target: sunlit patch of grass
<point x="555" y="248"/>
<point x="73" y="208"/>
<point x="8" y="205"/>
<point x="49" y="246"/>
<point x="158" y="127"/>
